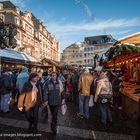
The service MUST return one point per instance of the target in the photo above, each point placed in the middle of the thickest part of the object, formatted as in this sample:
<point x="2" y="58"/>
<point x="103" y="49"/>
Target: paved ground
<point x="70" y="127"/>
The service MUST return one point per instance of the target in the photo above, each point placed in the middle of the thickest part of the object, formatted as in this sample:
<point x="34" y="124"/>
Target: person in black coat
<point x="5" y="90"/>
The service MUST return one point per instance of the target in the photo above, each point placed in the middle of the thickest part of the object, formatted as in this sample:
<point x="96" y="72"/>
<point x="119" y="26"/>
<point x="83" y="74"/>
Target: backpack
<point x="106" y="98"/>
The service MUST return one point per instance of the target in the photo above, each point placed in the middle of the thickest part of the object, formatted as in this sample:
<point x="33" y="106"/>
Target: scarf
<point x="34" y="92"/>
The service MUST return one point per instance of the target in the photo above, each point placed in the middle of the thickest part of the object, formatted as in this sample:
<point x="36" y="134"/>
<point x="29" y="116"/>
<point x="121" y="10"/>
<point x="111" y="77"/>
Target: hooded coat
<point x="22" y="79"/>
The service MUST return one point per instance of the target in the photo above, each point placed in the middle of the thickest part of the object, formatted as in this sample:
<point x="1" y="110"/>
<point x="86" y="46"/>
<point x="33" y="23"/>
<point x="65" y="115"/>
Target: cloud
<point x="86" y="9"/>
<point x="110" y="23"/>
<point x="68" y="33"/>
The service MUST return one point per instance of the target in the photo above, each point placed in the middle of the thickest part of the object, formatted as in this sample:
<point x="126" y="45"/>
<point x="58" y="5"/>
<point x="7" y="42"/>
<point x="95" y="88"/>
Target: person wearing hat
<point x="30" y="100"/>
<point x="103" y="98"/>
<point x="85" y="82"/>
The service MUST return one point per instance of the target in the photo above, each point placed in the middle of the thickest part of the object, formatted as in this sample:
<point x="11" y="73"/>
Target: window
<point x="101" y="47"/>
<point x="29" y="18"/>
<point x="28" y="51"/>
<point x="94" y="42"/>
<point x="84" y="49"/>
<point x="36" y="35"/>
<point x="17" y="21"/>
<point x="18" y="36"/>
<point x="29" y="41"/>
<point x="97" y="48"/>
<point x="26" y="27"/>
<point x="1" y="6"/>
<point x="2" y="17"/>
<point x="24" y="39"/>
<point x="30" y="29"/>
<point x="32" y="41"/>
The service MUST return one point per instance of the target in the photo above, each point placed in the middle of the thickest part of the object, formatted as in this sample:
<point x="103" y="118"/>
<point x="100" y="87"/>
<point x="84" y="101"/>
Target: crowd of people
<point x="30" y="91"/>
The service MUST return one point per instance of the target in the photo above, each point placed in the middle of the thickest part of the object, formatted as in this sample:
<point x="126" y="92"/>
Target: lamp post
<point x="7" y="34"/>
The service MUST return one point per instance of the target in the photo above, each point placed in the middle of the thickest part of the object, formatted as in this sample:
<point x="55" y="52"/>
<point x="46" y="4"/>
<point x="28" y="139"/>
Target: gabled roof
<point x="8" y="5"/>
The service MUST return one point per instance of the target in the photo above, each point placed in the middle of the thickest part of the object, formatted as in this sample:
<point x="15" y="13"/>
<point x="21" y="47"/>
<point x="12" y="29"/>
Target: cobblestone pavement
<point x="70" y="127"/>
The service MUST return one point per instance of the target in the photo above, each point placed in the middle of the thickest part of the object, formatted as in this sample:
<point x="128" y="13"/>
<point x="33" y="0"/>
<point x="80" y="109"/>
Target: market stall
<point x="50" y="64"/>
<point x="127" y="58"/>
<point x="14" y="60"/>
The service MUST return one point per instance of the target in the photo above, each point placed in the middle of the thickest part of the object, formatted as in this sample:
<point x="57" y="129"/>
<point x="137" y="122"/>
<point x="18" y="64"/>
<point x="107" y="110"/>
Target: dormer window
<point x="1" y="6"/>
<point x="29" y="18"/>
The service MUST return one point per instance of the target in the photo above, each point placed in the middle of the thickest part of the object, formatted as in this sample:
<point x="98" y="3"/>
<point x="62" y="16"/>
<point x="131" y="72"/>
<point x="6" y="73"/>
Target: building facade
<point x="32" y="36"/>
<point x="82" y="54"/>
<point x="73" y="55"/>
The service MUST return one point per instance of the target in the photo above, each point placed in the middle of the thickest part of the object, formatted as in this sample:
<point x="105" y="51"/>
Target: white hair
<point x="86" y="70"/>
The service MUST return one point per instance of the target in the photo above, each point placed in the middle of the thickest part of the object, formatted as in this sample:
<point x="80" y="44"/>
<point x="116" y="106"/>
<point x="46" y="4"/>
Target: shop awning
<point x="13" y="56"/>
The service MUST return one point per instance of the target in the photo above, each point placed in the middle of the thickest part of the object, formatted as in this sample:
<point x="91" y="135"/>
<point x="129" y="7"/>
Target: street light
<point x="7" y="34"/>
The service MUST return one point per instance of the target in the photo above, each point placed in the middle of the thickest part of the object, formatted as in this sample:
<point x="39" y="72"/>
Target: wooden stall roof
<point x="122" y="59"/>
<point x="132" y="39"/>
<point x="49" y="62"/>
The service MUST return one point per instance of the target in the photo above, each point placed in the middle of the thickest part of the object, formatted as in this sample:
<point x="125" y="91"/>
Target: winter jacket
<point x="5" y="84"/>
<point x="25" y="98"/>
<point x="85" y="82"/>
<point x="75" y="81"/>
<point x="52" y="93"/>
<point x="116" y="85"/>
<point x="42" y="82"/>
